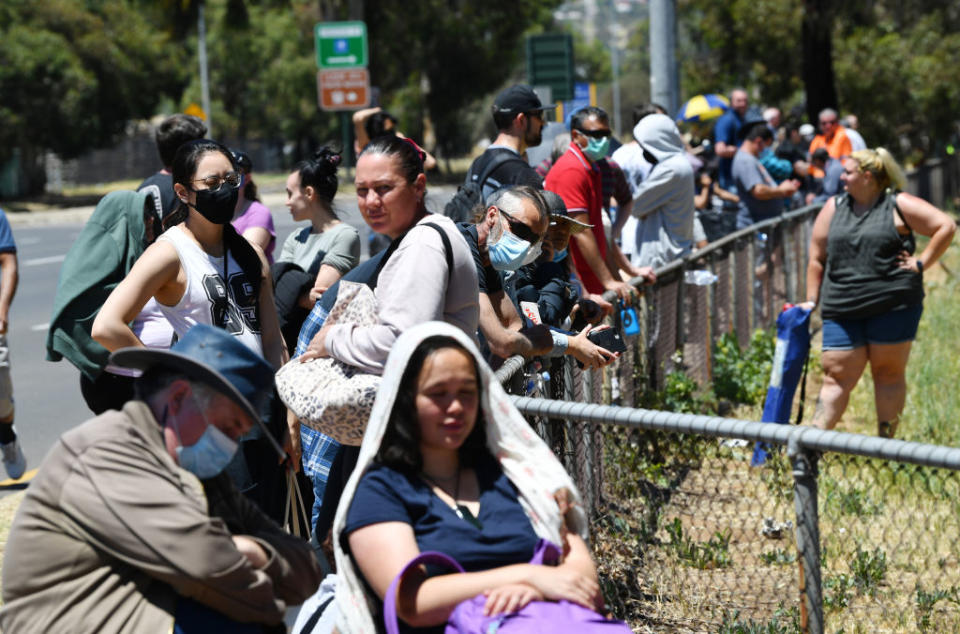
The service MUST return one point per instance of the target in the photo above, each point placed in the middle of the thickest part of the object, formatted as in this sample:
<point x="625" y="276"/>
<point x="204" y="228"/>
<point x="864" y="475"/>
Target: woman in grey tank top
<point x="868" y="281"/>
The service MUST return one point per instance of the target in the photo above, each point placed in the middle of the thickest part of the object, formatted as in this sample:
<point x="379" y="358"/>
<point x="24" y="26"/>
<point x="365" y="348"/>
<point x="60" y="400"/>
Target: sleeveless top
<point x="862" y="278"/>
<point x="206" y="299"/>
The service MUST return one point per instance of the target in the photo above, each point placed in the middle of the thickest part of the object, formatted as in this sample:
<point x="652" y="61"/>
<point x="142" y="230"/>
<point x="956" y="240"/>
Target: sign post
<point x="343" y="82"/>
<point x="341" y="44"/>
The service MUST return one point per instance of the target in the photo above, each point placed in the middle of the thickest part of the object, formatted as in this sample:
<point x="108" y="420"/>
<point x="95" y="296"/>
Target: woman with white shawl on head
<point x="449" y="464"/>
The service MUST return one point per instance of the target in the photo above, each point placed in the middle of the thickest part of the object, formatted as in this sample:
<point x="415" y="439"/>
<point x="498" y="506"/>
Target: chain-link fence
<point x="835" y="532"/>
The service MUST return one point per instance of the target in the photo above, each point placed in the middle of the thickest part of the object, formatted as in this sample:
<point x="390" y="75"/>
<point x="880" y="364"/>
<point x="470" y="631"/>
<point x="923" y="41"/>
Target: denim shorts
<point x="895" y="326"/>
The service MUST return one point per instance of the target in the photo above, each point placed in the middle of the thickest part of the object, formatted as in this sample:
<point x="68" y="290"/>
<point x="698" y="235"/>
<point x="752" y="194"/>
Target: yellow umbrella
<point x="703" y="108"/>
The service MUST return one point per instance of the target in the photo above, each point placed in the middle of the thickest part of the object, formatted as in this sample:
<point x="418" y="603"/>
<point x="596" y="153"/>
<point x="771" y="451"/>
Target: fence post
<point x="804" y="462"/>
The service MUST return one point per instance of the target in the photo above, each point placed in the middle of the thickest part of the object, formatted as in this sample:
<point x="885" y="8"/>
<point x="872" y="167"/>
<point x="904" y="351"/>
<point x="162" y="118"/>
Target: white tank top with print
<point x="206" y="299"/>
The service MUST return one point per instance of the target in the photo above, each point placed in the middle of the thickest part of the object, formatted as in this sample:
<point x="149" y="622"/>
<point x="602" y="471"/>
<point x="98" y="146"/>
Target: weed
<point x="848" y="499"/>
<point x="739" y="375"/>
<point x="784" y="621"/>
<point x="927" y="600"/>
<point x="778" y="557"/>
<point x="837" y="591"/>
<point x="713" y="553"/>
<point x="869" y="570"/>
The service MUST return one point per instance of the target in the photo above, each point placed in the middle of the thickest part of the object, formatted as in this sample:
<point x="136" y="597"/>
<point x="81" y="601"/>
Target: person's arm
<point x="818" y="254"/>
<point x="382" y="550"/>
<point x="167" y="534"/>
<point x="724" y="145"/>
<point x="155" y="273"/>
<point x="730" y="197"/>
<point x="9" y="277"/>
<point x="929" y="221"/>
<point x="341" y="256"/>
<point x="501" y="327"/>
<point x="590" y="250"/>
<point x="412" y="289"/>
<point x="702" y="198"/>
<point x="360" y="129"/>
<point x="274" y="350"/>
<point x="258" y="237"/>
<point x="624" y="211"/>
<point x="288" y="560"/>
<point x="786" y="189"/>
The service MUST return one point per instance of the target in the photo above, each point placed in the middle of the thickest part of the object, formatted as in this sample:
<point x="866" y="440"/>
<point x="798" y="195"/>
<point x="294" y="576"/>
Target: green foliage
<point x="837" y="591"/>
<point x="869" y="570"/>
<point x="778" y="557"/>
<point x="463" y="51"/>
<point x="73" y="73"/>
<point x="927" y="600"/>
<point x="848" y="499"/>
<point x="743" y="376"/>
<point x="784" y="621"/>
<point x="708" y="555"/>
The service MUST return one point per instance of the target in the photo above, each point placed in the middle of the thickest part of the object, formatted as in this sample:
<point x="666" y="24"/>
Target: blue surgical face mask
<point x="507" y="251"/>
<point x="597" y="148"/>
<point x="210" y="455"/>
<point x="558" y="256"/>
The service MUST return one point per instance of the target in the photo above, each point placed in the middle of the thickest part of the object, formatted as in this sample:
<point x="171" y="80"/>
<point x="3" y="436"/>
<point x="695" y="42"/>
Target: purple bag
<point x="534" y="618"/>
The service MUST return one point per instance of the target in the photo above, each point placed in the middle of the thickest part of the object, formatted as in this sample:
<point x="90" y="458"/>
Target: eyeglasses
<point x="519" y="229"/>
<point x="595" y="134"/>
<point x="214" y="183"/>
<point x="536" y="115"/>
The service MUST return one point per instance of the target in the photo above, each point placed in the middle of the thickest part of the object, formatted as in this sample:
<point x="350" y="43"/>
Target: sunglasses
<point x="595" y="134"/>
<point x="519" y="229"/>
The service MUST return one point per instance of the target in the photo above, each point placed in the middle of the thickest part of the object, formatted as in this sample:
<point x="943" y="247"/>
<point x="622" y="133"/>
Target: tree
<point x="457" y="51"/>
<point x="73" y="73"/>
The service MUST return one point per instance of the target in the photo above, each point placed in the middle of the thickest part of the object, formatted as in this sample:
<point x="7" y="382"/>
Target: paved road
<point x="47" y="394"/>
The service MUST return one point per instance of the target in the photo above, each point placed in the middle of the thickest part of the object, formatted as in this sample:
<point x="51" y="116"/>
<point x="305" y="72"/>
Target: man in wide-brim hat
<point x="117" y="533"/>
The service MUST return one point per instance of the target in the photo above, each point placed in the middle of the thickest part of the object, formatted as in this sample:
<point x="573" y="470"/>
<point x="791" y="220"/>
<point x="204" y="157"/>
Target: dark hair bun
<point x="326" y="156"/>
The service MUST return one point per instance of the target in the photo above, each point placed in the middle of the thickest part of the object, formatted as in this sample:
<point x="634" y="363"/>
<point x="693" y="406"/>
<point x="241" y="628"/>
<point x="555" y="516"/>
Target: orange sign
<point x="344" y="89"/>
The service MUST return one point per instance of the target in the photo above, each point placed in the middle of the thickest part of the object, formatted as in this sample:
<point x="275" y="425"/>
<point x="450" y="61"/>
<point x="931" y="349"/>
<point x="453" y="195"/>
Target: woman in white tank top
<point x="186" y="269"/>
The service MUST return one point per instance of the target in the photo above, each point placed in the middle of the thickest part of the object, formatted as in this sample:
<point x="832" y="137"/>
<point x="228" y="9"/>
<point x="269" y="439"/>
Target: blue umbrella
<point x="703" y="108"/>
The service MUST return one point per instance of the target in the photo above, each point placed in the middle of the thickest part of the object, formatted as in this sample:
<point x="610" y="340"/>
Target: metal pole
<point x="663" y="59"/>
<point x="615" y="68"/>
<point x="204" y="76"/>
<point x="804" y="463"/>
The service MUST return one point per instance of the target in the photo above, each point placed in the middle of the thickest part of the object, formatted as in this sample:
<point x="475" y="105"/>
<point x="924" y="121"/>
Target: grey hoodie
<point x="664" y="200"/>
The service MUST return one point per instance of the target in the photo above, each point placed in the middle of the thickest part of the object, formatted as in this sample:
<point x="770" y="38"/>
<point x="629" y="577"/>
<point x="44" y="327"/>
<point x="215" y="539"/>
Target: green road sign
<point x="550" y="63"/>
<point x="341" y="44"/>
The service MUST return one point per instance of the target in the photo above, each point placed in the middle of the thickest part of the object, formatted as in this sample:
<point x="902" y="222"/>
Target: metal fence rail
<point x="835" y="532"/>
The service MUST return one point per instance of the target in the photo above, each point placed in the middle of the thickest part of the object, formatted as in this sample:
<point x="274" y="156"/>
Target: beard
<point x="531" y="138"/>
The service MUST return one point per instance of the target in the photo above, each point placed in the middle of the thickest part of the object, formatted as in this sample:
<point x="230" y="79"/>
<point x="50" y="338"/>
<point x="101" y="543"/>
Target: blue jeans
<point x="196" y="618"/>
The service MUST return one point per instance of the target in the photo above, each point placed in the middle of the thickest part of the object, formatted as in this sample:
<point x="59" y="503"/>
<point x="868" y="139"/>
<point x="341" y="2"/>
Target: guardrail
<point x="688" y="536"/>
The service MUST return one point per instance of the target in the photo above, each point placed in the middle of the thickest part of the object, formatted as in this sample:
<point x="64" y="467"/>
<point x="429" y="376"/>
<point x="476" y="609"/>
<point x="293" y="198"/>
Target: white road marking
<point x="52" y="259"/>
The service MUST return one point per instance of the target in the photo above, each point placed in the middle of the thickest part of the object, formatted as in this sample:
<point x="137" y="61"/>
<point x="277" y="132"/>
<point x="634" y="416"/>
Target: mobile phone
<point x="607" y="337"/>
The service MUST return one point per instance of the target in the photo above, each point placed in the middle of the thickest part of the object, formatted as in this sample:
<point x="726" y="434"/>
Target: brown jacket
<point x="111" y="531"/>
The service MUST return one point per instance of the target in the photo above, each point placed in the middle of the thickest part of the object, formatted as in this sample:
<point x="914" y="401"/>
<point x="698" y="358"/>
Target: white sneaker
<point x="13" y="459"/>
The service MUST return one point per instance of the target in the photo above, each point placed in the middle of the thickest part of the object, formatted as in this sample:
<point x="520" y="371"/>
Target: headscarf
<point x="525" y="459"/>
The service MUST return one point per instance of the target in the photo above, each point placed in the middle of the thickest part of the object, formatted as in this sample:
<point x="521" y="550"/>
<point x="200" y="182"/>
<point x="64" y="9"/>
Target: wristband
<point x="919" y="265"/>
<point x="560" y="342"/>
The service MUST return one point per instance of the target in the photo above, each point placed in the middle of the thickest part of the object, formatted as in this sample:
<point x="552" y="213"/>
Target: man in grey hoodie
<point x="664" y="201"/>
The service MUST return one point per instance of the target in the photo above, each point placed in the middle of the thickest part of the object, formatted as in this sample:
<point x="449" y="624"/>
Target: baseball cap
<point x="517" y="98"/>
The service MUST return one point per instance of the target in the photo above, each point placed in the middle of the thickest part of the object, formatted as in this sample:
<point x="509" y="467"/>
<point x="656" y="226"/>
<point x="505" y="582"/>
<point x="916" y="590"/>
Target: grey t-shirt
<point x="747" y="172"/>
<point x="338" y="247"/>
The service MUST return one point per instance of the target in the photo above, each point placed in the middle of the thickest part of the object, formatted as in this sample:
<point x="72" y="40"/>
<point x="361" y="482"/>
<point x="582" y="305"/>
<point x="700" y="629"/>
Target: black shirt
<point x="487" y="275"/>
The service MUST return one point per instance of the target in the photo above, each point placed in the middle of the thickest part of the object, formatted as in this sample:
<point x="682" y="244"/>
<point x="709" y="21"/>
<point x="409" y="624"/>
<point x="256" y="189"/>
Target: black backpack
<point x="470" y="194"/>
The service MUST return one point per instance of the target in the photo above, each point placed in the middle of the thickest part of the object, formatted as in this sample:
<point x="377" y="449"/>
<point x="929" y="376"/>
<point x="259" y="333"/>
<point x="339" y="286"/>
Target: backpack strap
<point x="390" y="598"/>
<point x="492" y="165"/>
<point x="447" y="252"/>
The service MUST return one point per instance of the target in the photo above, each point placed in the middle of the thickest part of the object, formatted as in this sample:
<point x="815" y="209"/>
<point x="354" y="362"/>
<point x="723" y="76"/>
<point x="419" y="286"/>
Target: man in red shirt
<point x="576" y="178"/>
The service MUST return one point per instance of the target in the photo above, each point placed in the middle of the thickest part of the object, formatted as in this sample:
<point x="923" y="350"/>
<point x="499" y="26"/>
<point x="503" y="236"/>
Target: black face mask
<point x="217" y="206"/>
<point x="650" y="158"/>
